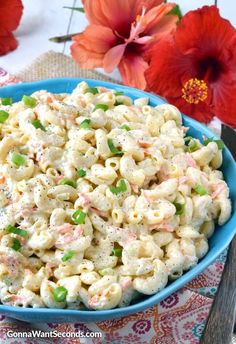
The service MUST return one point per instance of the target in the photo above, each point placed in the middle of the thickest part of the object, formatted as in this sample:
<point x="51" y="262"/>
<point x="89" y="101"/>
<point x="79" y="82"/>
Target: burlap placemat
<point x="57" y="65"/>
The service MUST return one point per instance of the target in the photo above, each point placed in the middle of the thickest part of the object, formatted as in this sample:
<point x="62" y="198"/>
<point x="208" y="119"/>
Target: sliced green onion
<point x="106" y="271"/>
<point x="17" y="231"/>
<point x="120" y="188"/>
<point x="125" y="127"/>
<point x="29" y="101"/>
<point x="119" y="93"/>
<point x="117" y="252"/>
<point x="187" y="138"/>
<point x="68" y="255"/>
<point x="118" y="103"/>
<point x="79" y="217"/>
<point x="92" y="90"/>
<point x="60" y="294"/>
<point x="16" y="244"/>
<point x="219" y="143"/>
<point x="6" y="101"/>
<point x="192" y="145"/>
<point x="104" y="107"/>
<point x="200" y="190"/>
<point x="180" y="207"/>
<point x="85" y="124"/>
<point x="81" y="173"/>
<point x="3" y="116"/>
<point x="67" y="181"/>
<point x="38" y="125"/>
<point x="113" y="149"/>
<point x="17" y="159"/>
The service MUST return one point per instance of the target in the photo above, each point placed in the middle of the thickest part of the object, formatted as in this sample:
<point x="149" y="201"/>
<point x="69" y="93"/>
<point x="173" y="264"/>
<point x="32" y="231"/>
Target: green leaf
<point x="79" y="9"/>
<point x="177" y="11"/>
<point x="119" y="93"/>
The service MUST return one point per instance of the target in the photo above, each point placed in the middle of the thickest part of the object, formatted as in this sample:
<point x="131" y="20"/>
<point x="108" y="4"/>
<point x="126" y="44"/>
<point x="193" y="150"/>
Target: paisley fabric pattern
<point x="179" y="319"/>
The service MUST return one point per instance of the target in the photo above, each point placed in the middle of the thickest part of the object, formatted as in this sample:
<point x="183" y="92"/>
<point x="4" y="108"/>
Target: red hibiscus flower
<point x="10" y="15"/>
<point x="195" y="68"/>
<point x="119" y="33"/>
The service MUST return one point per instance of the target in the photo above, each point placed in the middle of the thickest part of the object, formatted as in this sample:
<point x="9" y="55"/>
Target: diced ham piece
<point x="162" y="225"/>
<point x="135" y="188"/>
<point x="190" y="161"/>
<point x="98" y="212"/>
<point x="218" y="189"/>
<point x="93" y="301"/>
<point x="183" y="180"/>
<point x="144" y="143"/>
<point x="85" y="201"/>
<point x="126" y="283"/>
<point x="50" y="98"/>
<point x="2" y="179"/>
<point x="65" y="228"/>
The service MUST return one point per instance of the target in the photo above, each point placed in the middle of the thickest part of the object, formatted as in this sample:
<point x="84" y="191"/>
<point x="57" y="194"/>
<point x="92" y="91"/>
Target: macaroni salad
<point x="101" y="198"/>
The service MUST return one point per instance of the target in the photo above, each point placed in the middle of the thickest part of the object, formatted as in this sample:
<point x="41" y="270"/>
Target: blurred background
<point x="44" y="19"/>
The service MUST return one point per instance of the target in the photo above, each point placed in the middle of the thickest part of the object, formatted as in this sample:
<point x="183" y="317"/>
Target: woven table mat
<point x="57" y="65"/>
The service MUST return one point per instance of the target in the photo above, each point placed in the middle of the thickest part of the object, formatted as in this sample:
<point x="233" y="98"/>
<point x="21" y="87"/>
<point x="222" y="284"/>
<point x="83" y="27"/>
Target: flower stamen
<point x="195" y="91"/>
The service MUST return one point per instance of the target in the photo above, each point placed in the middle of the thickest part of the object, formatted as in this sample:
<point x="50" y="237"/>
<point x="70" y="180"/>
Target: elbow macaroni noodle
<point x="101" y="199"/>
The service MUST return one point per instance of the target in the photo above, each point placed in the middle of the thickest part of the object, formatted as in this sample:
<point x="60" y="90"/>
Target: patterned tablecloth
<point x="179" y="319"/>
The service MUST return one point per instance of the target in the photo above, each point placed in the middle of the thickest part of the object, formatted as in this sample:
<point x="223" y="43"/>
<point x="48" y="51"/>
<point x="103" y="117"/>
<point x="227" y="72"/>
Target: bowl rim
<point x="175" y="285"/>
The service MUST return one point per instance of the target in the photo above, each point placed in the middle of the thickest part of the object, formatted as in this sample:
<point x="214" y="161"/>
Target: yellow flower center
<point x="195" y="91"/>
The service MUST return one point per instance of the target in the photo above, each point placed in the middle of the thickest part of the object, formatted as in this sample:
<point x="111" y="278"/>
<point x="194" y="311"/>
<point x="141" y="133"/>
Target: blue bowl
<point x="217" y="244"/>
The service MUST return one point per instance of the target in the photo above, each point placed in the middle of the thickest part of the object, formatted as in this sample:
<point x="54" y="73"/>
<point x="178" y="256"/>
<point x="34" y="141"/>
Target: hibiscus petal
<point x="168" y="68"/>
<point x="147" y="4"/>
<point x="225" y="100"/>
<point x="91" y="46"/>
<point x="10" y="14"/>
<point x="156" y="14"/>
<point x="7" y="42"/>
<point x="164" y="27"/>
<point x="132" y="69"/>
<point x="118" y="15"/>
<point x="86" y="58"/>
<point x="113" y="57"/>
<point x="143" y="40"/>
<point x="208" y="31"/>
